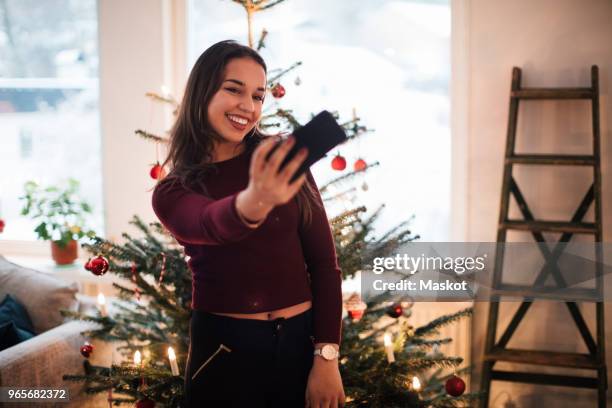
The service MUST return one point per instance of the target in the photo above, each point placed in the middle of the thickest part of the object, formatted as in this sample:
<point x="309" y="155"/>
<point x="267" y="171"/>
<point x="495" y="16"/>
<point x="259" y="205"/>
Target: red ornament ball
<point x="395" y="311"/>
<point x="355" y="307"/>
<point x="338" y="163"/>
<point x="86" y="350"/>
<point x="2" y="224"/>
<point x="359" y="165"/>
<point x="145" y="403"/>
<point x="278" y="91"/>
<point x="157" y="172"/>
<point x="97" y="265"/>
<point x="356" y="314"/>
<point x="455" y="386"/>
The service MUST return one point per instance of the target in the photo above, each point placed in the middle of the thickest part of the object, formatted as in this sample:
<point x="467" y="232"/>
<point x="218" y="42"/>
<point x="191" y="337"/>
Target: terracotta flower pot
<point x="66" y="255"/>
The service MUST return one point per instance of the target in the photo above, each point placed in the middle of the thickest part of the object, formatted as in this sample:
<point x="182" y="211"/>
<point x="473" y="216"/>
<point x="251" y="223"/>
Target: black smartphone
<point x="319" y="136"/>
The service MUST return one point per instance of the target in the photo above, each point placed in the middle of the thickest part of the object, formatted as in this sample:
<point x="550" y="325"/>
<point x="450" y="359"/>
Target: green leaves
<point x="41" y="230"/>
<point x="59" y="209"/>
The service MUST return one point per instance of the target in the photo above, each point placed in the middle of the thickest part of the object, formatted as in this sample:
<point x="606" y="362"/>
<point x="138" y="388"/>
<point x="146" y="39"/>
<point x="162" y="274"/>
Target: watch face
<point x="328" y="352"/>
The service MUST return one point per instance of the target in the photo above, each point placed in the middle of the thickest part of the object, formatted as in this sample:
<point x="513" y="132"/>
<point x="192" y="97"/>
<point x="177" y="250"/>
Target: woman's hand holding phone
<point x="269" y="187"/>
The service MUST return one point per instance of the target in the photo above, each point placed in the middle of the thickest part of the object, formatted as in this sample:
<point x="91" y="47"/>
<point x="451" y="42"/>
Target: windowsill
<point x="34" y="249"/>
<point x="45" y="264"/>
<point x="25" y="248"/>
<point x="88" y="283"/>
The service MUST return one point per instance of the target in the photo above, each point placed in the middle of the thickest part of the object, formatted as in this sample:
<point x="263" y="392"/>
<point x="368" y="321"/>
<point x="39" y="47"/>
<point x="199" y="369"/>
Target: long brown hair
<point x="192" y="137"/>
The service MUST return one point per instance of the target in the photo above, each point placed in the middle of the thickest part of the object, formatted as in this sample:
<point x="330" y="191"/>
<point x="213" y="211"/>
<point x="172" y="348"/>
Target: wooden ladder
<point x="497" y="350"/>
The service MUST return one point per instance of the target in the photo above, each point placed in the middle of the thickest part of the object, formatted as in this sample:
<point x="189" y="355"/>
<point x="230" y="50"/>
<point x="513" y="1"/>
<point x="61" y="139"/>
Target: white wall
<point x="554" y="42"/>
<point x="138" y="54"/>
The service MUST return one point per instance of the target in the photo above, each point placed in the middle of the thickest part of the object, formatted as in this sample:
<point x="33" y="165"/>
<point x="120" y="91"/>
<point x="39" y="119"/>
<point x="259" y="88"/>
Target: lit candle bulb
<point x="416" y="384"/>
<point x="102" y="304"/>
<point x="389" y="348"/>
<point x="137" y="358"/>
<point x="138" y="364"/>
<point x="173" y="364"/>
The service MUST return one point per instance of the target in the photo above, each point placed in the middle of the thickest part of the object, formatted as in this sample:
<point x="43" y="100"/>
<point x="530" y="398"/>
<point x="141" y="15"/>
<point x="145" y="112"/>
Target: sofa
<point x="42" y="360"/>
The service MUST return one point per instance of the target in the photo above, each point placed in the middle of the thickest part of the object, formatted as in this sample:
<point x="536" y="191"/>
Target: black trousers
<point x="267" y="365"/>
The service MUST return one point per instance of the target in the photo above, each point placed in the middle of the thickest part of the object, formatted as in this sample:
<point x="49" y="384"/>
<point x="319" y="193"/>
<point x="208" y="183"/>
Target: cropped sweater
<point x="239" y="269"/>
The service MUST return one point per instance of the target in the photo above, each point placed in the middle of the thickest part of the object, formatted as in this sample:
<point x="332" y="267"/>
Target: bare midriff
<point x="285" y="312"/>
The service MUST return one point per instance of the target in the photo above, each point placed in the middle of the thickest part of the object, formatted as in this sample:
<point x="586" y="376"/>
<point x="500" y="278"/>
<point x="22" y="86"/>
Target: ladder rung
<point x="551" y="226"/>
<point x="545" y="379"/>
<point x="553" y="93"/>
<point x="545" y="358"/>
<point x="548" y="292"/>
<point x="566" y="160"/>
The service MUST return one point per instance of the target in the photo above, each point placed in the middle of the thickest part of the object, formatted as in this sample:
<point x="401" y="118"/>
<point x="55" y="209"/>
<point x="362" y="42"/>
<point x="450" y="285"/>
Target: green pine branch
<point x="432" y="327"/>
<point x="274" y="79"/>
<point x="347" y="177"/>
<point x="150" y="136"/>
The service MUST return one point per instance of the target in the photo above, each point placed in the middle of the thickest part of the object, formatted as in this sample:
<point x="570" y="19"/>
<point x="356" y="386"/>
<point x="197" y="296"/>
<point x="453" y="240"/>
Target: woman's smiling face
<point x="236" y="107"/>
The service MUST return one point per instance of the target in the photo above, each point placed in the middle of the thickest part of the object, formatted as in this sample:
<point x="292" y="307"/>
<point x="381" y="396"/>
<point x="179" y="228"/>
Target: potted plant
<point x="61" y="214"/>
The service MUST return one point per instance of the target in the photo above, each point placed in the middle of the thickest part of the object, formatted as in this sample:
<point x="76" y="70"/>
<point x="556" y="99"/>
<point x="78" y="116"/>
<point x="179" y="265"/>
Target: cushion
<point x="42" y="294"/>
<point x="10" y="335"/>
<point x="13" y="311"/>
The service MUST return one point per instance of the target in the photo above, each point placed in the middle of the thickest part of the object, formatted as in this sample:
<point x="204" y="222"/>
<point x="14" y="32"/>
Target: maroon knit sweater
<point x="238" y="269"/>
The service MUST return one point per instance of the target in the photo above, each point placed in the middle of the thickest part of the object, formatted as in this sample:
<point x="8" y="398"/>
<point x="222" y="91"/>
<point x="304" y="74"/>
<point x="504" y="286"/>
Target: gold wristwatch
<point x="328" y="352"/>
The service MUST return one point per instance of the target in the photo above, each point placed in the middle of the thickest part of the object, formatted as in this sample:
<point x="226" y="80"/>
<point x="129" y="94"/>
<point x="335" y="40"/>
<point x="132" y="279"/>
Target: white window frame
<point x="460" y="118"/>
<point x="142" y="46"/>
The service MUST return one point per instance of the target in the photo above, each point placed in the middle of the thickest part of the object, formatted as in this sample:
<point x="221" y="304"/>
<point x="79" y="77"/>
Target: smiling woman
<point x="238" y="106"/>
<point x="266" y="282"/>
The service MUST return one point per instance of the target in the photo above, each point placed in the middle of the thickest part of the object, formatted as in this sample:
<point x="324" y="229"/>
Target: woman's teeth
<point x="237" y="119"/>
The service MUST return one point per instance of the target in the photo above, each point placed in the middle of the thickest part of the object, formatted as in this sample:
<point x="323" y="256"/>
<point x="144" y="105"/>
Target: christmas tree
<point x="384" y="361"/>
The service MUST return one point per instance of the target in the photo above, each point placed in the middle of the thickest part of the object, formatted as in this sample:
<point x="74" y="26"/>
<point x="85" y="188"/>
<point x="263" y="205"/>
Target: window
<point x="49" y="116"/>
<point x="390" y="60"/>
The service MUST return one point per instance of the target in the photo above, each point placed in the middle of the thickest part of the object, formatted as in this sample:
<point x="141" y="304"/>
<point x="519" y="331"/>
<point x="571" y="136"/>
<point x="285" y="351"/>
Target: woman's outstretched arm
<point x="196" y="219"/>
